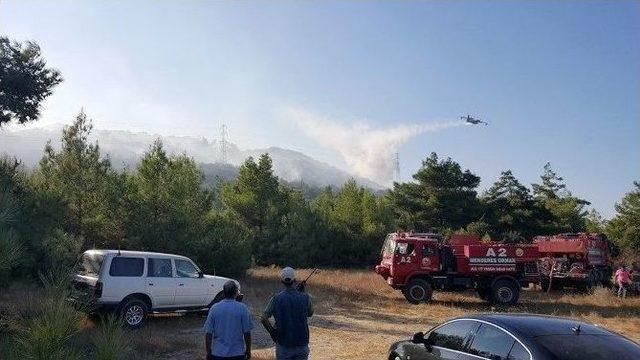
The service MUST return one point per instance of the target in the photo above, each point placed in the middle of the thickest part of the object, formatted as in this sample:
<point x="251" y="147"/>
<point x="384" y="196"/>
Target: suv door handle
<point x="180" y="284"/>
<point x="150" y="284"/>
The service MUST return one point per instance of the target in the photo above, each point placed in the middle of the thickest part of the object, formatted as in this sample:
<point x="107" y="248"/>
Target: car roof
<point x="533" y="325"/>
<point x="131" y="253"/>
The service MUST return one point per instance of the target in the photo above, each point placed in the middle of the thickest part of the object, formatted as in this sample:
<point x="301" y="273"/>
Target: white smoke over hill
<point x="366" y="150"/>
<point x="125" y="148"/>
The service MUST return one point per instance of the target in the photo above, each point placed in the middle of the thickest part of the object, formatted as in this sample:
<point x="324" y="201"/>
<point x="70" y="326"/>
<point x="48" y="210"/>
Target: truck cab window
<point x="411" y="248"/>
<point x="401" y="248"/>
<point x="427" y="251"/>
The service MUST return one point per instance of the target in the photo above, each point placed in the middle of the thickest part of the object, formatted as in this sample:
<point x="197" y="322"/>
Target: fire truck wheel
<point x="418" y="291"/>
<point x="505" y="292"/>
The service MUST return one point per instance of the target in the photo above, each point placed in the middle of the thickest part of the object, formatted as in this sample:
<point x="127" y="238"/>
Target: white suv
<point x="135" y="283"/>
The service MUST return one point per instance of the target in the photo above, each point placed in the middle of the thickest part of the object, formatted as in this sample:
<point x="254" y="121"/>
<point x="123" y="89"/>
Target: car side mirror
<point x="200" y="274"/>
<point x="418" y="338"/>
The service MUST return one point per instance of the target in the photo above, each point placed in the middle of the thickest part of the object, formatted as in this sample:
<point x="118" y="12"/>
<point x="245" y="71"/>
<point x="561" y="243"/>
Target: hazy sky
<point x="350" y="83"/>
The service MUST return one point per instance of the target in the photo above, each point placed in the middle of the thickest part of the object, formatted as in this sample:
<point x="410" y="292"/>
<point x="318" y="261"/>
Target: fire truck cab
<point x="420" y="263"/>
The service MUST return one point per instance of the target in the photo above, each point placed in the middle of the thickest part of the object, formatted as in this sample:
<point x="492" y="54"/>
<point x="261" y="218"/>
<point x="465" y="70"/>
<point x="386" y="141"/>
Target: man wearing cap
<point x="290" y="308"/>
<point x="228" y="327"/>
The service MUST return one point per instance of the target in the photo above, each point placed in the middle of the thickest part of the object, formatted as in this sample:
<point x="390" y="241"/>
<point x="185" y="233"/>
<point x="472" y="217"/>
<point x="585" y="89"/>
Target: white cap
<point x="288" y="275"/>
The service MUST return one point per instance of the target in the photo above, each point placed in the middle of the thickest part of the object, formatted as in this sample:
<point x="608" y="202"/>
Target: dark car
<point x="515" y="337"/>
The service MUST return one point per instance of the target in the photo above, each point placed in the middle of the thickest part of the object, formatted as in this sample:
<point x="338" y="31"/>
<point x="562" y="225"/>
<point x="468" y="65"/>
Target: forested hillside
<point x="75" y="200"/>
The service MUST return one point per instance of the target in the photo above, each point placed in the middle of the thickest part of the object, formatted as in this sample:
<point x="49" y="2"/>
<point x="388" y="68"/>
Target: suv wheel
<point x="418" y="291"/>
<point x="505" y="292"/>
<point x="133" y="313"/>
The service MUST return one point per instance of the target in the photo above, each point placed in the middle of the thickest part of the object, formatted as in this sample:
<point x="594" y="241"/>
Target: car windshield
<point x="592" y="347"/>
<point x="89" y="264"/>
<point x="389" y="247"/>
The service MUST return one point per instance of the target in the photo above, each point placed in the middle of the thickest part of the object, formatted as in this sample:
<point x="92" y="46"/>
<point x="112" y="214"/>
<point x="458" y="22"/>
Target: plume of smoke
<point x="365" y="149"/>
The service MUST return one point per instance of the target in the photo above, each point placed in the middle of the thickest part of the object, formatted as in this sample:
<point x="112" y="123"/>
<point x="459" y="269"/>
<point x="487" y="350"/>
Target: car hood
<point x="220" y="279"/>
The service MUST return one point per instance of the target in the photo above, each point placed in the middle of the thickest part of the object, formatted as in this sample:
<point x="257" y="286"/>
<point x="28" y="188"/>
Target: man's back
<point x="228" y="321"/>
<point x="291" y="308"/>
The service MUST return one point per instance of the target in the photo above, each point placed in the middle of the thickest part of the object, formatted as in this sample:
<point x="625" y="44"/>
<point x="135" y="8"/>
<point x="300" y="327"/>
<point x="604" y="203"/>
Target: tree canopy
<point x="442" y="196"/>
<point x="565" y="212"/>
<point x="511" y="210"/>
<point x="75" y="200"/>
<point x="25" y="81"/>
<point x="625" y="225"/>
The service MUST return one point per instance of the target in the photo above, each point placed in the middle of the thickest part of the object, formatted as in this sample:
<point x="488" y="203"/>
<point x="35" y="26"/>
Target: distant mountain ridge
<point x="125" y="148"/>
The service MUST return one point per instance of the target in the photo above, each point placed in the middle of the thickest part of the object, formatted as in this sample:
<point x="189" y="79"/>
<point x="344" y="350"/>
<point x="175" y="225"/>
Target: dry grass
<point x="357" y="315"/>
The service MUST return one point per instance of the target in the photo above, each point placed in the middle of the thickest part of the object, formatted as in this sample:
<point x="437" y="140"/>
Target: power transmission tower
<point x="223" y="144"/>
<point x="396" y="167"/>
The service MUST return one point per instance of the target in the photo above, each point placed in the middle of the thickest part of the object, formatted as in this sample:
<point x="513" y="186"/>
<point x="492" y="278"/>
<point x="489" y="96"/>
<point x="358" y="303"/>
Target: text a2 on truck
<point x="420" y="263"/>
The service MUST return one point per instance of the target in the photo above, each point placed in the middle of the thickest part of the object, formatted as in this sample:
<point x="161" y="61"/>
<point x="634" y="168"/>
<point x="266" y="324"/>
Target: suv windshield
<point x="89" y="264"/>
<point x="592" y="347"/>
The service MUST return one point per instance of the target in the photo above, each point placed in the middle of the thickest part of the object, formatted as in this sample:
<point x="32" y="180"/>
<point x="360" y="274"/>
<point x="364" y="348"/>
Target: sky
<point x="351" y="83"/>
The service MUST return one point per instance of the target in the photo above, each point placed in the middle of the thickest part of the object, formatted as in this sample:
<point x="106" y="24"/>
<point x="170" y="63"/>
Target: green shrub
<point x="61" y="249"/>
<point x="225" y="248"/>
<point x="49" y="333"/>
<point x="10" y="246"/>
<point x="111" y="342"/>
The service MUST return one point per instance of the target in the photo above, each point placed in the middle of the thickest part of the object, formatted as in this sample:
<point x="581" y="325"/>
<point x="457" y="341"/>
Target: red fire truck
<point x="579" y="260"/>
<point x="419" y="263"/>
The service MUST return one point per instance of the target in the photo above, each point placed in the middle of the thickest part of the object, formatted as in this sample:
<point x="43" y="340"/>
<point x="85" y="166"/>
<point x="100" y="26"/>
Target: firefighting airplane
<point x="471" y="120"/>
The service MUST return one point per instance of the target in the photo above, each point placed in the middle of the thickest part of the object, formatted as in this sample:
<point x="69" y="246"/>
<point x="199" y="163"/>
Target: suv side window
<point x="491" y="343"/>
<point x="185" y="268"/>
<point x="452" y="335"/>
<point x="159" y="268"/>
<point x="126" y="266"/>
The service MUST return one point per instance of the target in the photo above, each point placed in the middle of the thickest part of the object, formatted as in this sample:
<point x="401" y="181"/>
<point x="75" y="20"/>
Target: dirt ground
<point x="357" y="316"/>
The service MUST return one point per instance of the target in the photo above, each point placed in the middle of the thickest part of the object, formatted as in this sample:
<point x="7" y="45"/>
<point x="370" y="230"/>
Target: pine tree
<point x="79" y="175"/>
<point x="624" y="228"/>
<point x="258" y="201"/>
<point x="512" y="211"/>
<point x="10" y="243"/>
<point x="25" y="81"/>
<point x="594" y="222"/>
<point x="565" y="212"/>
<point x="442" y="197"/>
<point x="168" y="205"/>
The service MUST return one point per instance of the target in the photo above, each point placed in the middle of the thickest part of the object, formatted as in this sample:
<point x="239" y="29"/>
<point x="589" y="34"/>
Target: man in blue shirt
<point x="290" y="309"/>
<point x="229" y="326"/>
